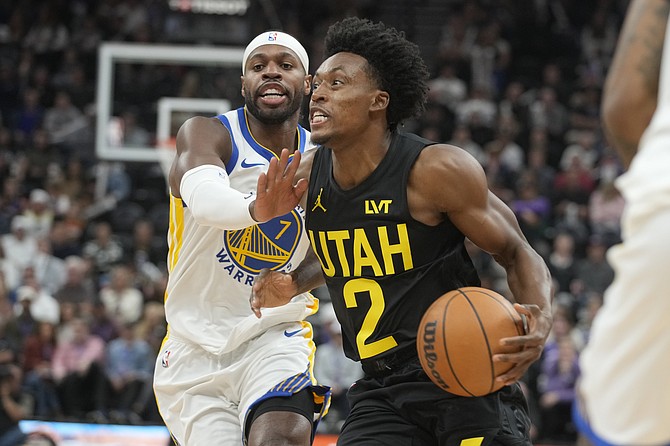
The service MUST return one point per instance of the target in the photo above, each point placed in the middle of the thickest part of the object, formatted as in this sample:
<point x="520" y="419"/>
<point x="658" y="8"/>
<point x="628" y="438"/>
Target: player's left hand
<point x="277" y="191"/>
<point x="530" y="345"/>
<point x="271" y="289"/>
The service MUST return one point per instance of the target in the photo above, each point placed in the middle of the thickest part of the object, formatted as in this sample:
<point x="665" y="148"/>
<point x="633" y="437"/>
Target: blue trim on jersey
<point x="235" y="153"/>
<point x="246" y="133"/>
<point x="583" y="426"/>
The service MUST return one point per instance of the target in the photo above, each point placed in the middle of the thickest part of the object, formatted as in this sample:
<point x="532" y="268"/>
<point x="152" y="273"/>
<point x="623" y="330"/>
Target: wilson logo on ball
<point x="430" y="355"/>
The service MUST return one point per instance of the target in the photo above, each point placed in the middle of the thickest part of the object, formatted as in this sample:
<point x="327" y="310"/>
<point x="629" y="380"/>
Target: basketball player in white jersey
<point x="624" y="392"/>
<point x="223" y="376"/>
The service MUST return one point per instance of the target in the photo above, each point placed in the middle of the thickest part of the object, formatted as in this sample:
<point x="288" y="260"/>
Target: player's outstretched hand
<point x="271" y="289"/>
<point x="277" y="191"/>
<point x="530" y="345"/>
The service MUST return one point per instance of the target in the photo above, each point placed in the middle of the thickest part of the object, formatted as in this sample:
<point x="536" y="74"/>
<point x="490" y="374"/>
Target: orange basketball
<point x="459" y="334"/>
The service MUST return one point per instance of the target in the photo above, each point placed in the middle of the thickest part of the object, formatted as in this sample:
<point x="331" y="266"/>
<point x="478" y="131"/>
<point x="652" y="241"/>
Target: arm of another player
<point x="198" y="176"/>
<point x="631" y="88"/>
<point x="462" y="193"/>
<point x="276" y="288"/>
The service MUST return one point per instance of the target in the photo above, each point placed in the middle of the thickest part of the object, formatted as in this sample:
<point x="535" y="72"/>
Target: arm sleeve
<point x="207" y="193"/>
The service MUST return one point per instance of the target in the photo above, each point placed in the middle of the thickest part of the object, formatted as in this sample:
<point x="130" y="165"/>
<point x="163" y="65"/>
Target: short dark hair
<point x="395" y="63"/>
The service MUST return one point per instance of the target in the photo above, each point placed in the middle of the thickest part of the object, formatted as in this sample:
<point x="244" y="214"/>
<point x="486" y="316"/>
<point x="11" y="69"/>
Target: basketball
<point x="459" y="334"/>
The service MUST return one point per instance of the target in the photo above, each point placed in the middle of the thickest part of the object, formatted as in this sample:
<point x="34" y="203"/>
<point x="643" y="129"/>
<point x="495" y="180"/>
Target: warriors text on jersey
<point x="211" y="271"/>
<point x="383" y="268"/>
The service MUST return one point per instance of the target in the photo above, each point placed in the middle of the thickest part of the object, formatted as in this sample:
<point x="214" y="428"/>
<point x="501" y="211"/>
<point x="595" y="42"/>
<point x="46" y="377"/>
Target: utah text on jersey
<point x="267" y="245"/>
<point x="393" y="242"/>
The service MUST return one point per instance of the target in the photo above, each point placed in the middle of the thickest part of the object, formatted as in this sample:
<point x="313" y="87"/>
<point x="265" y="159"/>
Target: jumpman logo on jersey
<point x="317" y="203"/>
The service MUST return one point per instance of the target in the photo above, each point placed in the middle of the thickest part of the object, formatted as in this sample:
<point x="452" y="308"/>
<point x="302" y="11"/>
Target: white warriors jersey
<point x="211" y="270"/>
<point x="626" y="361"/>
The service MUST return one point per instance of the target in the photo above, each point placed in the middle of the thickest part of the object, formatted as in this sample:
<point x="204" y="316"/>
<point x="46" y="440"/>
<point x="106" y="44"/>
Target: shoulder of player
<point x="449" y="175"/>
<point x="447" y="161"/>
<point x="206" y="134"/>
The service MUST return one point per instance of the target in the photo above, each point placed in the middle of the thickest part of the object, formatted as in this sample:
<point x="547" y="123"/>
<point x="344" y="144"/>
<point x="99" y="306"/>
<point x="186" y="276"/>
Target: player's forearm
<point x="308" y="275"/>
<point x="631" y="88"/>
<point x="529" y="279"/>
<point x="207" y="193"/>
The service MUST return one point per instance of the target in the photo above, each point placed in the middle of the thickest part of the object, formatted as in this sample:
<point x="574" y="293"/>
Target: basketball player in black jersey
<point x="387" y="216"/>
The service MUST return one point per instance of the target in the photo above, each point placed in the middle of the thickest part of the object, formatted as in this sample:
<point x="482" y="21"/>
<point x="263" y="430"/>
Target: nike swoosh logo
<point x="246" y="165"/>
<point x="289" y="334"/>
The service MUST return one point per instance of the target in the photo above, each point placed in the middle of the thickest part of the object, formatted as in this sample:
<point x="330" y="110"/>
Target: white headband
<point x="277" y="38"/>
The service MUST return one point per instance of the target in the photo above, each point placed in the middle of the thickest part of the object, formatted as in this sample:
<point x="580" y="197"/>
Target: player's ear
<point x="380" y="100"/>
<point x="308" y="84"/>
<point x="242" y="85"/>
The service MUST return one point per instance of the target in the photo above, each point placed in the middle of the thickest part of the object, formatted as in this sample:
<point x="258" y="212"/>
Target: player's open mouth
<point x="318" y="118"/>
<point x="272" y="92"/>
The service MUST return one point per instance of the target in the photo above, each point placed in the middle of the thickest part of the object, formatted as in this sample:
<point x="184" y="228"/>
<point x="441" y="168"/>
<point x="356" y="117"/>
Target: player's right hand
<point x="271" y="289"/>
<point x="277" y="191"/>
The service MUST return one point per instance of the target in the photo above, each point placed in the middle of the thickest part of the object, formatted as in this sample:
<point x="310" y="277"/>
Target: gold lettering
<point x="339" y="237"/>
<point x="402" y="247"/>
<point x="381" y="207"/>
<point x="324" y="258"/>
<point x="364" y="255"/>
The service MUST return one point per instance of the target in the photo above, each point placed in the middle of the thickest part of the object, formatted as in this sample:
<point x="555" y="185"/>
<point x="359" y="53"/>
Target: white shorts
<point x="204" y="399"/>
<point x="624" y="387"/>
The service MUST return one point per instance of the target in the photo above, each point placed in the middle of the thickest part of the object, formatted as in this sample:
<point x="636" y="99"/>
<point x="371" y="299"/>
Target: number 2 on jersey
<point x="374" y="314"/>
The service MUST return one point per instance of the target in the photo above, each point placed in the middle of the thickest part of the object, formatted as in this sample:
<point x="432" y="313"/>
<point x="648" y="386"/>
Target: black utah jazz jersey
<point x="383" y="269"/>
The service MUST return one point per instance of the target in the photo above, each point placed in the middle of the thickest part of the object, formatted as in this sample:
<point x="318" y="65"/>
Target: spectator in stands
<point x="28" y="117"/>
<point x="78" y="287"/>
<point x="11" y="410"/>
<point x="102" y="323"/>
<point x="561" y="261"/>
<point x="38" y="352"/>
<point x="537" y="164"/>
<point x="570" y="197"/>
<point x="49" y="270"/>
<point x="38" y="159"/>
<point x="39" y="213"/>
<point x="20" y="246"/>
<point x="605" y="207"/>
<point x="10" y="202"/>
<point x="146" y="252"/>
<point x="123" y="301"/>
<point x="104" y="251"/>
<point x="447" y="89"/>
<point x="509" y="154"/>
<point x="583" y="149"/>
<point x="24" y="323"/>
<point x="462" y="138"/>
<point x="64" y="122"/>
<point x="533" y="212"/>
<point x="559" y="373"/>
<point x="547" y="113"/>
<point x="594" y="272"/>
<point x="129" y="368"/>
<point x="152" y="327"/>
<point x="9" y="271"/>
<point x="490" y="58"/>
<point x="79" y="374"/>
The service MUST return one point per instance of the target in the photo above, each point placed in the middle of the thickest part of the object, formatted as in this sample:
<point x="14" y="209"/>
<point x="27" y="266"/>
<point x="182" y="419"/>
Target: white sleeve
<point x="207" y="193"/>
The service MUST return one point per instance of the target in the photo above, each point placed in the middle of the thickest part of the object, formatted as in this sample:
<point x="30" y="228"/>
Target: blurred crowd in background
<point x="516" y="83"/>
